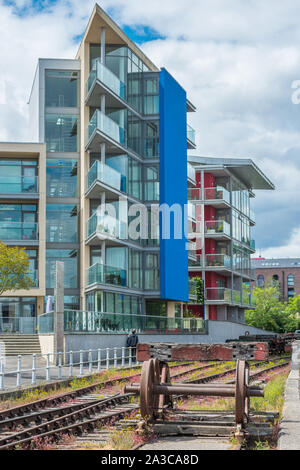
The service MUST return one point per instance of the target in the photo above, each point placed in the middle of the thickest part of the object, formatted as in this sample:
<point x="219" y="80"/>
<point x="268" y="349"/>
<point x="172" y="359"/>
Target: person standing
<point x="132" y="342"/>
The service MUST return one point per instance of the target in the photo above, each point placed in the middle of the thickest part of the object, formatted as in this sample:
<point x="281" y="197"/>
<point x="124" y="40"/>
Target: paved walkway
<point x="188" y="443"/>
<point x="289" y="434"/>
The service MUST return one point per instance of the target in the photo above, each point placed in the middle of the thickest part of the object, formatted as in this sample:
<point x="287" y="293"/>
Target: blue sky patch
<point x="142" y="33"/>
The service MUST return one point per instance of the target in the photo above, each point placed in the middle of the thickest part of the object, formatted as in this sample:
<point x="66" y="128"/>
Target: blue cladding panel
<point x="173" y="185"/>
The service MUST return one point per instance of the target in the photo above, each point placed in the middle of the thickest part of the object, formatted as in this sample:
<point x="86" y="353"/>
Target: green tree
<point x="270" y="313"/>
<point x="293" y="313"/>
<point x="14" y="264"/>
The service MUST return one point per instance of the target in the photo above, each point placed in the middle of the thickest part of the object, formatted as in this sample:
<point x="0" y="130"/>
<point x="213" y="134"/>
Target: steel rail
<point x="77" y="421"/>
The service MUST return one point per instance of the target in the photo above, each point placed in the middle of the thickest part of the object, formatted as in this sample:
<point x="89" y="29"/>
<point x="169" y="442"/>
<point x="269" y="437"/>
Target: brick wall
<point x="282" y="274"/>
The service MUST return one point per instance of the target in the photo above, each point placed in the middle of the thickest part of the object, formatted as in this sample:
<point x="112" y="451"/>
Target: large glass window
<point x="62" y="178"/>
<point x="135" y="269"/>
<point x="62" y="223"/>
<point x="152" y="274"/>
<point x="61" y="132"/>
<point x="18" y="315"/>
<point x="18" y="222"/>
<point x="18" y="176"/>
<point x="151" y="147"/>
<point x="69" y="257"/>
<point x="156" y="308"/>
<point x="62" y="88"/>
<point x="151" y="183"/>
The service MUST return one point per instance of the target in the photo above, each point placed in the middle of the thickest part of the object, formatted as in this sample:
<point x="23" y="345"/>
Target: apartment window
<point x="69" y="257"/>
<point x="62" y="89"/>
<point x="152" y="274"/>
<point x="62" y="178"/>
<point x="151" y="185"/>
<point x="156" y="308"/>
<point x="61" y="132"/>
<point x="18" y="222"/>
<point x="18" y="176"/>
<point x="135" y="269"/>
<point x="12" y="309"/>
<point x="151" y="145"/>
<point x="61" y="223"/>
<point x="291" y="280"/>
<point x="260" y="281"/>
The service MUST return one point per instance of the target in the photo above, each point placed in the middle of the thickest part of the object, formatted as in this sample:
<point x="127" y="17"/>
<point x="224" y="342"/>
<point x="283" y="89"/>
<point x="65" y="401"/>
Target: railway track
<point x="20" y="426"/>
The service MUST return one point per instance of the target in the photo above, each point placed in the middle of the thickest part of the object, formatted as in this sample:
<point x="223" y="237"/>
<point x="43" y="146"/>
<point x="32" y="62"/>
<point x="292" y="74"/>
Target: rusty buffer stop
<point x="156" y="390"/>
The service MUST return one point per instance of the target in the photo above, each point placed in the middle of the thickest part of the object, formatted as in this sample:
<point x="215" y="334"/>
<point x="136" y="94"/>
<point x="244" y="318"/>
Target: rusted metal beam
<point x="203" y="352"/>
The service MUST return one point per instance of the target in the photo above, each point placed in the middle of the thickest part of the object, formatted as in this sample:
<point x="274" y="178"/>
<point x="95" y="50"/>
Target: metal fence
<point x="31" y="369"/>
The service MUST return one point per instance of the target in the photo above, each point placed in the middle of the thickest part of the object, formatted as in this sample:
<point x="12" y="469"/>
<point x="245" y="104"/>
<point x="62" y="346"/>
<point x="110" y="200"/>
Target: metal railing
<point x="59" y="366"/>
<point x="215" y="193"/>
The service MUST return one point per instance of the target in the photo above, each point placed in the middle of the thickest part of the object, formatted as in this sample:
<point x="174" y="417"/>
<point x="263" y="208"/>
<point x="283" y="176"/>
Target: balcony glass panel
<point x="18" y="231"/>
<point x="218" y="294"/>
<point x="246" y="299"/>
<point x="217" y="193"/>
<point x="104" y="173"/>
<point x="236" y="296"/>
<point x="191" y="172"/>
<point x="217" y="227"/>
<point x="100" y="273"/>
<point x="18" y="184"/>
<point x="252" y="244"/>
<point x="191" y="135"/>
<point x="108" y="78"/>
<point x="216" y="260"/>
<point x="252" y="215"/>
<point x="106" y="125"/>
<point x="191" y="211"/>
<point x="107" y="225"/>
<point x="79" y="321"/>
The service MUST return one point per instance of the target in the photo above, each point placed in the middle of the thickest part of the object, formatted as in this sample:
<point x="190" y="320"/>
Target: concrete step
<point x="20" y="344"/>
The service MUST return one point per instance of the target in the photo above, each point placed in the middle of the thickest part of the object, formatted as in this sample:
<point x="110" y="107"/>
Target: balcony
<point x="216" y="196"/>
<point x="102" y="176"/>
<point x="191" y="137"/>
<point x="19" y="233"/>
<point x="191" y="246"/>
<point x="104" y="81"/>
<point x="212" y="262"/>
<point x="192" y="290"/>
<point x="217" y="229"/>
<point x="252" y="246"/>
<point x="16" y="186"/>
<point x="191" y="174"/>
<point x="218" y="295"/>
<point x="102" y="274"/>
<point x="105" y="227"/>
<point x="102" y="129"/>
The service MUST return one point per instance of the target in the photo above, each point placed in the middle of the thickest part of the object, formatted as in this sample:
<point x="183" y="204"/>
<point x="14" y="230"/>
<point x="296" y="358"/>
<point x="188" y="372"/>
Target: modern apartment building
<point x="222" y="198"/>
<point x="112" y="131"/>
<point x="284" y="272"/>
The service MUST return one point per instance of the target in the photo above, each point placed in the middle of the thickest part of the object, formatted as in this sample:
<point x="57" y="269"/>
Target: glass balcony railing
<point x="104" y="173"/>
<point x="108" y="78"/>
<point x="218" y="294"/>
<point x="252" y="244"/>
<point x="246" y="298"/>
<point x="218" y="260"/>
<point x="191" y="172"/>
<point x="191" y="134"/>
<point x="253" y="301"/>
<point x="217" y="227"/>
<point x="192" y="288"/>
<point x="106" y="125"/>
<point x="46" y="323"/>
<point x="237" y="297"/>
<point x="97" y="322"/>
<point x="18" y="184"/>
<point x="102" y="274"/>
<point x="18" y="231"/>
<point x="252" y="216"/>
<point x="217" y="193"/>
<point x="106" y="225"/>
<point x="191" y="211"/>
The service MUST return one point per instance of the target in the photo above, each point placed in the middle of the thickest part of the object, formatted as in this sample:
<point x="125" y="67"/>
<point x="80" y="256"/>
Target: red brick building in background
<point x="221" y="195"/>
<point x="284" y="271"/>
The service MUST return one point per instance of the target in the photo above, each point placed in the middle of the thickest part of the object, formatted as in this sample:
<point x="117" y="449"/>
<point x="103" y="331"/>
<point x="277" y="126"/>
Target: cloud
<point x="290" y="249"/>
<point x="236" y="63"/>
